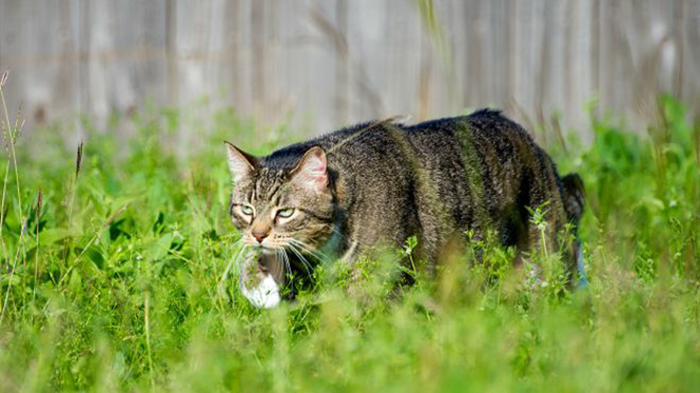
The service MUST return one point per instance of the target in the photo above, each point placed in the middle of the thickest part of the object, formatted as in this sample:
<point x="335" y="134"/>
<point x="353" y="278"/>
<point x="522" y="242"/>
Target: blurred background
<point x="319" y="65"/>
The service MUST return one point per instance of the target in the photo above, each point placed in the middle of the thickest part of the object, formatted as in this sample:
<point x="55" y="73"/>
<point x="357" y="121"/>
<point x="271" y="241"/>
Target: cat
<point x="376" y="184"/>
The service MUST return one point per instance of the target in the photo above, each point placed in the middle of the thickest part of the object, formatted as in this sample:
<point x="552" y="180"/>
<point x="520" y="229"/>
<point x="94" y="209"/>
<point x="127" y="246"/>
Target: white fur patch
<point x="265" y="295"/>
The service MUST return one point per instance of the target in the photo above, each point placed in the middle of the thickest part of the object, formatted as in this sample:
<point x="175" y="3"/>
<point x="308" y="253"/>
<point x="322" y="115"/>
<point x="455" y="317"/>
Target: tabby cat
<point x="346" y="193"/>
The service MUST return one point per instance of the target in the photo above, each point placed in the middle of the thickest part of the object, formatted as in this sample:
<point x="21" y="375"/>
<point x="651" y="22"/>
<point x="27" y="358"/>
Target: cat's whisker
<point x="242" y="248"/>
<point x="230" y="264"/>
<point x="238" y="244"/>
<point x="299" y="250"/>
<point x="282" y="255"/>
<point x="306" y="248"/>
<point x="286" y="260"/>
<point x="302" y="259"/>
<point x="237" y="259"/>
<point x="335" y="230"/>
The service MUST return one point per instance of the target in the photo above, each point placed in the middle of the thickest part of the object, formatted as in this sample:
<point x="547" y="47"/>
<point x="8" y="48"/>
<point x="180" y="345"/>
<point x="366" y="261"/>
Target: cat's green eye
<point x="285" y="213"/>
<point x="247" y="210"/>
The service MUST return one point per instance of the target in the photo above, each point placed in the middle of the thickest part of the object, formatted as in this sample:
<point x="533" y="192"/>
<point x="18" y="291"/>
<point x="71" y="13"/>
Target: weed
<point x="129" y="286"/>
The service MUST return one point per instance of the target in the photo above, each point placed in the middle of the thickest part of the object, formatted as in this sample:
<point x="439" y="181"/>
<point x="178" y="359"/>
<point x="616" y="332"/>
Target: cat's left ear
<point x="240" y="163"/>
<point x="312" y="170"/>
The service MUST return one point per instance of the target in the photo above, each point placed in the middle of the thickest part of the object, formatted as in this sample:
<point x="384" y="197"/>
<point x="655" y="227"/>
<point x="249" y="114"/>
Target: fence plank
<point x="336" y="62"/>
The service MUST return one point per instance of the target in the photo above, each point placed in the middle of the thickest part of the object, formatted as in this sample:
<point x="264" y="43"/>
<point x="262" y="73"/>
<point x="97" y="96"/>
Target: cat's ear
<point x="312" y="170"/>
<point x="240" y="163"/>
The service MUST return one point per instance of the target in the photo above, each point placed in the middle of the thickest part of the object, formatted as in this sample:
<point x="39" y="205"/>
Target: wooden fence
<point x="330" y="63"/>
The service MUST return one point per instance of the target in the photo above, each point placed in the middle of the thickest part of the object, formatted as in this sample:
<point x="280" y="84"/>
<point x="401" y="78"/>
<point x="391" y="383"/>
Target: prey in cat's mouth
<point x="265" y="272"/>
<point x="261" y="278"/>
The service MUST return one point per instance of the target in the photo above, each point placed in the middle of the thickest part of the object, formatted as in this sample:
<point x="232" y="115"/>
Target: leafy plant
<point x="119" y="288"/>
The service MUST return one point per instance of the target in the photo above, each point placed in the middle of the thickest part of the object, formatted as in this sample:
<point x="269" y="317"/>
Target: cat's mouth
<point x="284" y="255"/>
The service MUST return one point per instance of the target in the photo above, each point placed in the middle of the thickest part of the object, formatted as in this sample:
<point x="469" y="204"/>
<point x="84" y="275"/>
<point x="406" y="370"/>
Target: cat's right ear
<point x="240" y="163"/>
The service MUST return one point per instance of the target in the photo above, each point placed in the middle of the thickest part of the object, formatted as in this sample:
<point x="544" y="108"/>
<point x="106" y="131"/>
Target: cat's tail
<point x="574" y="202"/>
<point x="574" y="197"/>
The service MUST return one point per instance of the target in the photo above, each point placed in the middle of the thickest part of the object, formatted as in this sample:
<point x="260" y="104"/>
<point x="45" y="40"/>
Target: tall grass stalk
<point x="149" y="298"/>
<point x="74" y="182"/>
<point x="10" y="134"/>
<point x="39" y="203"/>
<point x="2" y="211"/>
<point x="4" y="128"/>
<point x="12" y="272"/>
<point x="147" y="328"/>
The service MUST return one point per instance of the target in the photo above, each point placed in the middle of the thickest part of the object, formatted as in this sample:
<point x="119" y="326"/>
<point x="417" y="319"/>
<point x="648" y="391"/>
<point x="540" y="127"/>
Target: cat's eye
<point x="285" y="213"/>
<point x="247" y="210"/>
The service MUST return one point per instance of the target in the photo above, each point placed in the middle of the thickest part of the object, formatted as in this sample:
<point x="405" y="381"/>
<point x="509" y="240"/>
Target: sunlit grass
<point x="119" y="289"/>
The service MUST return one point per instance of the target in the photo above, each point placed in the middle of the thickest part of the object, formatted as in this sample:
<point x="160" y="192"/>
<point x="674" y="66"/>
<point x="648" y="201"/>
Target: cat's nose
<point x="260" y="236"/>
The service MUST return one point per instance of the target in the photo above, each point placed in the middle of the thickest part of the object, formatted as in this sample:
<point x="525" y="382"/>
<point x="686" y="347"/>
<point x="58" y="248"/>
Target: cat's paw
<point x="265" y="294"/>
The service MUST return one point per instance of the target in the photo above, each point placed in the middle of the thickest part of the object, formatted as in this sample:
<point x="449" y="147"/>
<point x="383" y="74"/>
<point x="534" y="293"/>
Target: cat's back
<point x="487" y="135"/>
<point x="481" y="161"/>
<point x="480" y="128"/>
<point x="354" y="141"/>
<point x="485" y="140"/>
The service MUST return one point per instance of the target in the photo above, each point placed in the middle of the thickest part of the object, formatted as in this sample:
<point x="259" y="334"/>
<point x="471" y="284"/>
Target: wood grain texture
<point x="331" y="63"/>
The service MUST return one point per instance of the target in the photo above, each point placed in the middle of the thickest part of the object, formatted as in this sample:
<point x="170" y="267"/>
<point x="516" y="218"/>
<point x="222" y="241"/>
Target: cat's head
<point x="281" y="204"/>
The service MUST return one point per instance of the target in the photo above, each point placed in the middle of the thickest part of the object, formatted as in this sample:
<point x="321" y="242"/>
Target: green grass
<point x="119" y="289"/>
